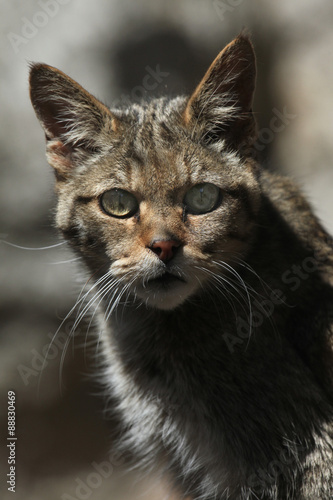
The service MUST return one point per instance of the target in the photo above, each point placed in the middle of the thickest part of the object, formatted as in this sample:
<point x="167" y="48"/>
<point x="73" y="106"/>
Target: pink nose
<point x="164" y="249"/>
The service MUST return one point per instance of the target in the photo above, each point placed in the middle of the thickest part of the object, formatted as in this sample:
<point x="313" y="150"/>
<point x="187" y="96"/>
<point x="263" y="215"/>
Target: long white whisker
<point x="245" y="265"/>
<point x="101" y="292"/>
<point x="33" y="248"/>
<point x="222" y="290"/>
<point x="81" y="312"/>
<point x="235" y="273"/>
<point x="114" y="284"/>
<point x="118" y="298"/>
<point x="223" y="281"/>
<point x="79" y="300"/>
<point x="64" y="261"/>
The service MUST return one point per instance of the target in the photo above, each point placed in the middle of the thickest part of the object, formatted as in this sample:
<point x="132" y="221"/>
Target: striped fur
<point x="223" y="374"/>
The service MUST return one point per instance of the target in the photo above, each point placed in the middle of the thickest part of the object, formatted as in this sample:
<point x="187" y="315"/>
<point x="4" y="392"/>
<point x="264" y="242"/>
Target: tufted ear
<point x="220" y="109"/>
<point x="74" y="121"/>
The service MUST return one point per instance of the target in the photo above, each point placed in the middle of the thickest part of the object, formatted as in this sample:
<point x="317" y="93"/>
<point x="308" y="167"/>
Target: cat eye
<point x="202" y="198"/>
<point x="119" y="203"/>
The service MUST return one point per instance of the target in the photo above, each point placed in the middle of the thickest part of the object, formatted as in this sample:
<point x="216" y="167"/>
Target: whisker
<point x="64" y="261"/>
<point x="222" y="280"/>
<point x="83" y="312"/>
<point x="235" y="273"/>
<point x="257" y="296"/>
<point x="33" y="248"/>
<point x="105" y="290"/>
<point x="118" y="298"/>
<point x="78" y="302"/>
<point x="207" y="288"/>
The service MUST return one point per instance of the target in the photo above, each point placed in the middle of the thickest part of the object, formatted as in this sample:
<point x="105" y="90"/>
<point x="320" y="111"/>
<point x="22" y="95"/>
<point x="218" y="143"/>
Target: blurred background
<point x="64" y="443"/>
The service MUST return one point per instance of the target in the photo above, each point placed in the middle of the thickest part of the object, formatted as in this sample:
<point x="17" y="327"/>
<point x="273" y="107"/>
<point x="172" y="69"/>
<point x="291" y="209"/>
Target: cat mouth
<point x="165" y="280"/>
<point x="165" y="291"/>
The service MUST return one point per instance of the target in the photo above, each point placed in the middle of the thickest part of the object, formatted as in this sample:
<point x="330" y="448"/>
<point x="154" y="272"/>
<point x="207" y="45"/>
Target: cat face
<point x="157" y="199"/>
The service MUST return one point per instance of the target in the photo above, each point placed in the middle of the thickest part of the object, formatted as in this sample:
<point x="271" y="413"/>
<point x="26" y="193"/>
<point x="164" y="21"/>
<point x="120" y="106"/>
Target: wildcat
<point x="213" y="279"/>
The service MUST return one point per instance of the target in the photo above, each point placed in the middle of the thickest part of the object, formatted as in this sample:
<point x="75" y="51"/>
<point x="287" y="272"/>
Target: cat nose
<point x="164" y="249"/>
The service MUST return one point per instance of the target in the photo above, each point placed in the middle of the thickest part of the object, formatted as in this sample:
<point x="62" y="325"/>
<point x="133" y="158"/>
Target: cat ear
<point x="221" y="106"/>
<point x="74" y="121"/>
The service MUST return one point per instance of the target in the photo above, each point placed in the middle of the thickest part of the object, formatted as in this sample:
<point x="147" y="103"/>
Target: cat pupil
<point x="119" y="203"/>
<point x="202" y="198"/>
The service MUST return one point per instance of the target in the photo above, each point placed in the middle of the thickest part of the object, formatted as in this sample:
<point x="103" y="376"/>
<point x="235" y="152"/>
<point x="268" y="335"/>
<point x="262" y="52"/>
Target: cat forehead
<point x="159" y="172"/>
<point x="151" y="125"/>
<point x="157" y="109"/>
<point x="153" y="152"/>
<point x="154" y="138"/>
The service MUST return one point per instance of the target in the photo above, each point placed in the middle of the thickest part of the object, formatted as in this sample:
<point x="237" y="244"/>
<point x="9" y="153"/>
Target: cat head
<point x="159" y="199"/>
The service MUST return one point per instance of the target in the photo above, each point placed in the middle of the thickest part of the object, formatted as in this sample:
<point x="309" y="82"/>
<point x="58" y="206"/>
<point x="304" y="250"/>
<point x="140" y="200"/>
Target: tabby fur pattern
<point x="216" y="327"/>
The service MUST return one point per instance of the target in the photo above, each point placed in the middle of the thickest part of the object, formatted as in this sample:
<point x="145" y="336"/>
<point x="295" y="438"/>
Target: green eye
<point x="202" y="198"/>
<point x="119" y="203"/>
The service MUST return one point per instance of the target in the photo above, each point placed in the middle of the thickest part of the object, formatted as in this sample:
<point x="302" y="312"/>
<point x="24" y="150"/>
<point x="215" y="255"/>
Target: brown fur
<point x="219" y="356"/>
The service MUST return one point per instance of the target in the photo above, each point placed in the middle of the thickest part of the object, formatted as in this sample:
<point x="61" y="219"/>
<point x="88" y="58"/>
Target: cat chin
<point x="164" y="304"/>
<point x="167" y="299"/>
